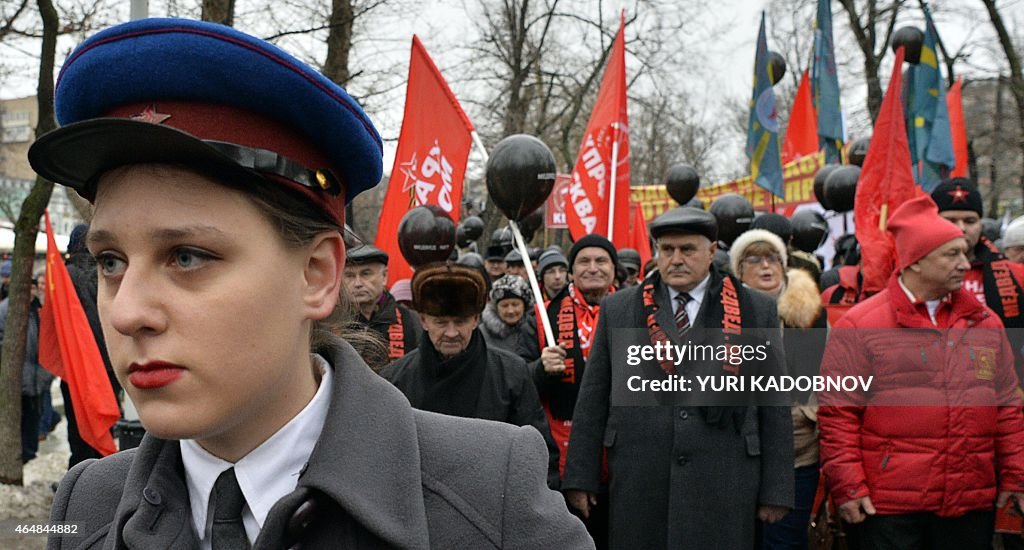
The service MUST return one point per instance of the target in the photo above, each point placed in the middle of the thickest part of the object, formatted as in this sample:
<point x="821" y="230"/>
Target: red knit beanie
<point x="918" y="229"/>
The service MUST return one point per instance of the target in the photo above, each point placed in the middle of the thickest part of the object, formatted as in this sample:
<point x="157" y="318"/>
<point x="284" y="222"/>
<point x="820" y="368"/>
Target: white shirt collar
<point x="931" y="305"/>
<point x="696" y="295"/>
<point x="267" y="474"/>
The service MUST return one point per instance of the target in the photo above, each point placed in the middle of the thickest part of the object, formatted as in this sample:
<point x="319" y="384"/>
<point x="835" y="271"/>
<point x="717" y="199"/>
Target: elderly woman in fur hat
<point x="508" y="322"/>
<point x="759" y="259"/>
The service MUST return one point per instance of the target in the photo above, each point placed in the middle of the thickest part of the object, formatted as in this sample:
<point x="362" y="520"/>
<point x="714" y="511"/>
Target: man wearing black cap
<point x="454" y="371"/>
<point x="683" y="477"/>
<point x="993" y="279"/>
<point x="630" y="260"/>
<point x="366" y="273"/>
<point x="494" y="262"/>
<point x="573" y="314"/>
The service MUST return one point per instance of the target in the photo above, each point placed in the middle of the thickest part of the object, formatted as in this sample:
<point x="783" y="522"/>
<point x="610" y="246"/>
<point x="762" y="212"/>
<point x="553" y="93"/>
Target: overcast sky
<point x="445" y="26"/>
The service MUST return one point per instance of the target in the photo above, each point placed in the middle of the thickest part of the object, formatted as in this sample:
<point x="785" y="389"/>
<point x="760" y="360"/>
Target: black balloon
<point x="682" y="182"/>
<point x="426" y="234"/>
<point x="858" y="151"/>
<point x="819" y="184"/>
<point x="991" y="229"/>
<point x="910" y="38"/>
<point x="841" y="187"/>
<point x="778" y="66"/>
<point x="530" y="224"/>
<point x="809" y="230"/>
<point x="461" y="238"/>
<point x="520" y="175"/>
<point x="734" y="214"/>
<point x="474" y="227"/>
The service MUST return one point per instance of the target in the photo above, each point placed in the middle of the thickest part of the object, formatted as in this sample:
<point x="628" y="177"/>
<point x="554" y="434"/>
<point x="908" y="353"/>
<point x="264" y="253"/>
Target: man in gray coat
<point x="681" y="477"/>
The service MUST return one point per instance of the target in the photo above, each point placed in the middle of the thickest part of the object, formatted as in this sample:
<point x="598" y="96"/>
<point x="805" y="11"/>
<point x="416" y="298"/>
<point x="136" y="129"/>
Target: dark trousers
<point x="972" y="530"/>
<point x="791" y="531"/>
<point x="80" y="450"/>
<point x="31" y="411"/>
<point x="50" y="417"/>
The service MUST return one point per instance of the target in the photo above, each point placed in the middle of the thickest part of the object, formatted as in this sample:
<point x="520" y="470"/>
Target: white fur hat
<point x="1014" y="235"/>
<point x="750" y="237"/>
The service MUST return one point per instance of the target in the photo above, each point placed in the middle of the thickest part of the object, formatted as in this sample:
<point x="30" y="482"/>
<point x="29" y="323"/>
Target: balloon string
<point x="538" y="298"/>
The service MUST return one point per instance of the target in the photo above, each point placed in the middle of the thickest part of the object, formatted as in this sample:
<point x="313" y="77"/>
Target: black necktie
<point x="228" y="501"/>
<point x="682" y="318"/>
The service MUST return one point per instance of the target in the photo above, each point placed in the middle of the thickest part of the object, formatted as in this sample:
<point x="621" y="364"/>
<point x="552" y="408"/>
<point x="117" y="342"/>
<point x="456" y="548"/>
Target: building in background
<point x="17" y="130"/>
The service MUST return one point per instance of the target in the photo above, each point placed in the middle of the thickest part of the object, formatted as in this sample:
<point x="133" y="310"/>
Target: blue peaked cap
<point x="153" y="60"/>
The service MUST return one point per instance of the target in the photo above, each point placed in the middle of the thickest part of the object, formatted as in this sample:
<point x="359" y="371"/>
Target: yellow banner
<point x="798" y="177"/>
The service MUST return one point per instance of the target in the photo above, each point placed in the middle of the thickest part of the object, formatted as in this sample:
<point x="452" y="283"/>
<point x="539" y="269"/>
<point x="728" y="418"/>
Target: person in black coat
<point x="680" y="476"/>
<point x="454" y="371"/>
<point x="366" y="274"/>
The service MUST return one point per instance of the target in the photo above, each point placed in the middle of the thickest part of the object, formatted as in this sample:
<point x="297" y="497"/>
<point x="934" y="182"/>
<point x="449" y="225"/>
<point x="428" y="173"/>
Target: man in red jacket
<point x="922" y="457"/>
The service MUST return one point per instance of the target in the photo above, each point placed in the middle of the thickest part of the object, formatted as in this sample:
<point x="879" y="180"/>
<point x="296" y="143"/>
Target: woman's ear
<point x="325" y="265"/>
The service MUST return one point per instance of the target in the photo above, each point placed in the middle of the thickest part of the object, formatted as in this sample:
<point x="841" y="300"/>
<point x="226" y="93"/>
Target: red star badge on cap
<point x="959" y="194"/>
<point x="151" y="115"/>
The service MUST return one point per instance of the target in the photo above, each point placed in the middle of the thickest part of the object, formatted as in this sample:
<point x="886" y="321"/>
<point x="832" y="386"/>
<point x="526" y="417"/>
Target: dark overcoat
<point x="677" y="481"/>
<point x="382" y="475"/>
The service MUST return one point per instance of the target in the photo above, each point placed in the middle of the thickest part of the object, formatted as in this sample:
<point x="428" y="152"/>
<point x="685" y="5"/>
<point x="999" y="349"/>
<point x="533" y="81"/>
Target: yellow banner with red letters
<point x="798" y="177"/>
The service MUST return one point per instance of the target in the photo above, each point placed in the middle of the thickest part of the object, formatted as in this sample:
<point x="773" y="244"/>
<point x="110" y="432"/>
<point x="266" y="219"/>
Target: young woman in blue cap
<point x="219" y="167"/>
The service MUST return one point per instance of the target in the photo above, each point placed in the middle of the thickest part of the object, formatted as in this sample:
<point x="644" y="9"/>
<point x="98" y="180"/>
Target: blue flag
<point x="825" y="86"/>
<point x="763" y="125"/>
<point x="931" y="144"/>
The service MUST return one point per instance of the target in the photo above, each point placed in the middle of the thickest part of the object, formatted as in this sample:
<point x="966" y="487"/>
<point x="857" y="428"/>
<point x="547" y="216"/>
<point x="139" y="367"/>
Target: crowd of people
<point x="289" y="396"/>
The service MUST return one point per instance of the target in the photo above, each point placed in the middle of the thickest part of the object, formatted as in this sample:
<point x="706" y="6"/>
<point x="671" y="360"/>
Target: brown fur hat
<point x="448" y="290"/>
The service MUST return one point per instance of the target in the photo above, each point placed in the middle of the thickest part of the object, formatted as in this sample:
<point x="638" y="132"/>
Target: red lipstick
<point x="155" y="374"/>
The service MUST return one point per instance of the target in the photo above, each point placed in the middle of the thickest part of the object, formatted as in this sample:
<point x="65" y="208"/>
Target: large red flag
<point x="593" y="197"/>
<point x="638" y="238"/>
<point x="886" y="181"/>
<point x="957" y="129"/>
<point x="802" y="131"/>
<point x="67" y="348"/>
<point x="430" y="163"/>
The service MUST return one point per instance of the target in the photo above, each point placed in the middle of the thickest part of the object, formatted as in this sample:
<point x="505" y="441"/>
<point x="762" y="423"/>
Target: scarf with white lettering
<point x="573" y="321"/>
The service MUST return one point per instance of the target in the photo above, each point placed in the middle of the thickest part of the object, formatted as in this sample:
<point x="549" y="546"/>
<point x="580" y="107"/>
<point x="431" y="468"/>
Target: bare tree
<point x="15" y="329"/>
<point x="1013" y="59"/>
<point x="872" y="23"/>
<point x="219" y="11"/>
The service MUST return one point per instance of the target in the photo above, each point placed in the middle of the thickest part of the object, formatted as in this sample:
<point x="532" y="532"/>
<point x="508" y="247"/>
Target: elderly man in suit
<point x="681" y="476"/>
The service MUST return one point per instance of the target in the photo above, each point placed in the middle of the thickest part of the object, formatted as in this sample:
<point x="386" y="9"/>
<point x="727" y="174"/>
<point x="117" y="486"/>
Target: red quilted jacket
<point x="947" y="460"/>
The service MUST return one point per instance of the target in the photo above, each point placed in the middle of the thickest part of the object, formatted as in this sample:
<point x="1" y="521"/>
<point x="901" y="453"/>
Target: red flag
<point x="638" y="239"/>
<point x="430" y="163"/>
<point x="886" y="181"/>
<point x="67" y="348"/>
<point x="957" y="129"/>
<point x="606" y="142"/>
<point x="802" y="132"/>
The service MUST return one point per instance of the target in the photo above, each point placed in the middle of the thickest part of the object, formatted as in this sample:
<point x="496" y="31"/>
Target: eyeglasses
<point x="757" y="260"/>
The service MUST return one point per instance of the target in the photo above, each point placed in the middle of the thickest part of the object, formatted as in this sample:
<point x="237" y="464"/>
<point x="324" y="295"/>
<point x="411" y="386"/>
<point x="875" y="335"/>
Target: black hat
<point x="775" y="223"/>
<point x="590" y="241"/>
<point x="957" y="194"/>
<point x="496" y="252"/>
<point x="685" y="219"/>
<point x="630" y="258"/>
<point x="366" y="254"/>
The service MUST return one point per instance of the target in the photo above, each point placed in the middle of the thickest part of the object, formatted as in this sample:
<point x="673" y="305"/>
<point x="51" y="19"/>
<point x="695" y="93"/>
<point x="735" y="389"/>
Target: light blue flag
<point x="931" y="144"/>
<point x="763" y="125"/>
<point x="825" y="85"/>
